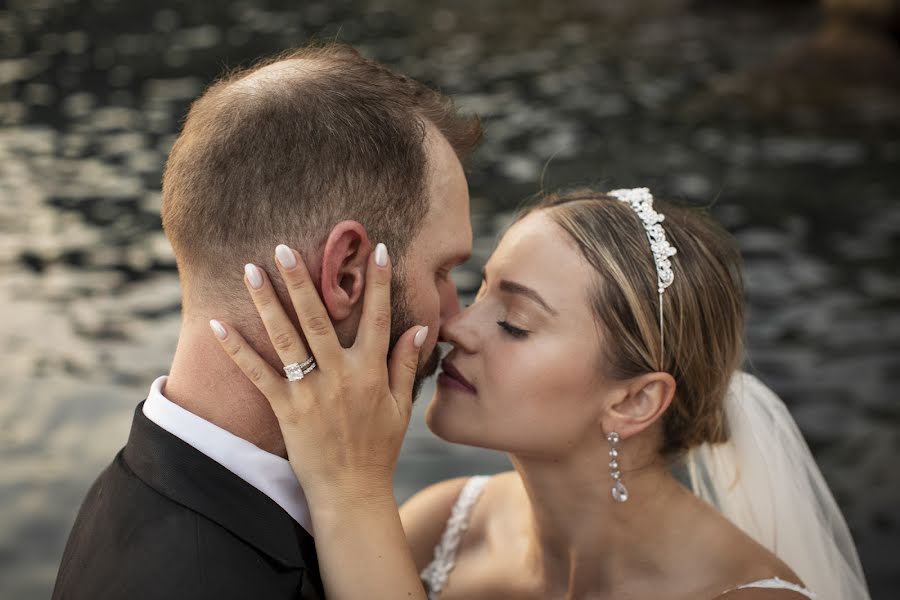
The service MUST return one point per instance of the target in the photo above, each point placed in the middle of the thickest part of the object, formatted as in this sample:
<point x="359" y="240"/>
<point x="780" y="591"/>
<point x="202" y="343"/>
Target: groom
<point x="327" y="152"/>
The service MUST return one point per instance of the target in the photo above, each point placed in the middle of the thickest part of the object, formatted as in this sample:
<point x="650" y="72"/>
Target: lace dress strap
<point x="438" y="570"/>
<point x="779" y="584"/>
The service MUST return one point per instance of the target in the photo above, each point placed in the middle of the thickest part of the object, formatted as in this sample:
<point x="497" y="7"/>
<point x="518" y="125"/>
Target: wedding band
<point x="297" y="371"/>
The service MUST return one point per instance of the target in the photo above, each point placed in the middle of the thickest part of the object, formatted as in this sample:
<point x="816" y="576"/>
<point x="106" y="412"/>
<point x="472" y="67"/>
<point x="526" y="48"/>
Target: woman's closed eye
<point x="512" y="330"/>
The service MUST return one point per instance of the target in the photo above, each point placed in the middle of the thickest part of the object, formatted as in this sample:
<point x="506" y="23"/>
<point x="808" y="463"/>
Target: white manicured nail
<point x="218" y="329"/>
<point x="420" y="338"/>
<point x="285" y="256"/>
<point x="253" y="275"/>
<point x="381" y="255"/>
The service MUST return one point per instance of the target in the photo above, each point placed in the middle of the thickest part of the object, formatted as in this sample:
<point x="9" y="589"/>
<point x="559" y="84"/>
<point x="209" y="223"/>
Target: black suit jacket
<point x="166" y="521"/>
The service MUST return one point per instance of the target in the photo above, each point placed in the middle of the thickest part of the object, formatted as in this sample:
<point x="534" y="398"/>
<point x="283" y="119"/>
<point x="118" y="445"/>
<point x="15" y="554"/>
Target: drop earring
<point x="619" y="491"/>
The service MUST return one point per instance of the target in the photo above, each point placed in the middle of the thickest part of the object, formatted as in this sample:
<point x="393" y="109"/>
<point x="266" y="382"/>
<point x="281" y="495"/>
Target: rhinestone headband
<point x="641" y="201"/>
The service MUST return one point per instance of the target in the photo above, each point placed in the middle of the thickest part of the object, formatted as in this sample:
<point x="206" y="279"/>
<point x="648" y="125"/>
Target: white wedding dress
<point x="436" y="573"/>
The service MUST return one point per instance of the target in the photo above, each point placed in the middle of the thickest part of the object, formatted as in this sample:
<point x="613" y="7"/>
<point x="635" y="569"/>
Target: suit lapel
<point x="185" y="475"/>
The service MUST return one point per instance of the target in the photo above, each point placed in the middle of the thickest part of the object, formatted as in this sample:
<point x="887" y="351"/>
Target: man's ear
<point x="642" y="402"/>
<point x="343" y="273"/>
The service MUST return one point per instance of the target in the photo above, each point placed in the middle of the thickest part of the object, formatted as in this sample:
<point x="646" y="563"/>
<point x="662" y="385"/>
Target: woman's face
<point x="528" y="347"/>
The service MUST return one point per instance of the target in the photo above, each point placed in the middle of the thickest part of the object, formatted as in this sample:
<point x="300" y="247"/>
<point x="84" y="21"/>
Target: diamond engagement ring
<point x="297" y="371"/>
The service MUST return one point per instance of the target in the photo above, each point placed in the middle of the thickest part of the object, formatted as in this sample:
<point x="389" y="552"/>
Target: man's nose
<point x="449" y="301"/>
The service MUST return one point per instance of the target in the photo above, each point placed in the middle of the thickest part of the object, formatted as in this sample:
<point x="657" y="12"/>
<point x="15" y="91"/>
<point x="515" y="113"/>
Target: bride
<point x="602" y="353"/>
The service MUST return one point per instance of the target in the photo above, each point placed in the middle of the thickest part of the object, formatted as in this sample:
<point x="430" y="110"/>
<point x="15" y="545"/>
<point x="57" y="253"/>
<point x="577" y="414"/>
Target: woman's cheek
<point x="509" y="368"/>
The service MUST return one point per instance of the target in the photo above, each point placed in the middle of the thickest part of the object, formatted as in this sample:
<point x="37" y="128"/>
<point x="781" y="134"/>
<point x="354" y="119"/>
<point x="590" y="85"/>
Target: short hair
<point x="282" y="151"/>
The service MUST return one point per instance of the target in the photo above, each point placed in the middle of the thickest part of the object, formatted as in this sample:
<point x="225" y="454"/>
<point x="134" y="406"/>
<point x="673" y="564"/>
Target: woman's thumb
<point x="404" y="364"/>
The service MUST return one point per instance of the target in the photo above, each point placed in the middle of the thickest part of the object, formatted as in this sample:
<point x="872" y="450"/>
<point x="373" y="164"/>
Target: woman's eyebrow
<point x="511" y="287"/>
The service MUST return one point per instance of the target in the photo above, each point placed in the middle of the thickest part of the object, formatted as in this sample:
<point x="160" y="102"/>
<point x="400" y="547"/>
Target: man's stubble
<point x="402" y="319"/>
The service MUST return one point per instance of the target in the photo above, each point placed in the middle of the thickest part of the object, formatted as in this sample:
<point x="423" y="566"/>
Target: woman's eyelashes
<point x="510" y="329"/>
<point x="513" y="331"/>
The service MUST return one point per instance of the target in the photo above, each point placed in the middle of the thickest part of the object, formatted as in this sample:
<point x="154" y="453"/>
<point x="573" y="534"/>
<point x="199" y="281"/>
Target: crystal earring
<point x="619" y="491"/>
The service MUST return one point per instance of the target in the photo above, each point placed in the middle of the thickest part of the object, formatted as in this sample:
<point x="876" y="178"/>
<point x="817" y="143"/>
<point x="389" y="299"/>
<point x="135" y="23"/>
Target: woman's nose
<point x="457" y="330"/>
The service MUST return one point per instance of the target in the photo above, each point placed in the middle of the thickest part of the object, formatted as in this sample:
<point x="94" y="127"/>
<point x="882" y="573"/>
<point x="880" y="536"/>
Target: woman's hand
<point x="344" y="422"/>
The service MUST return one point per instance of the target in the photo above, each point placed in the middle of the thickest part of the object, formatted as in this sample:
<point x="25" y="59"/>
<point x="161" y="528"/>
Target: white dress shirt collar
<point x="267" y="472"/>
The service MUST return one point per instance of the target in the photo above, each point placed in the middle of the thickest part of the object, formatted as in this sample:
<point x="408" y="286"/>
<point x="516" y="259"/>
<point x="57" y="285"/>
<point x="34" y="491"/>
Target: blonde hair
<point x="704" y="309"/>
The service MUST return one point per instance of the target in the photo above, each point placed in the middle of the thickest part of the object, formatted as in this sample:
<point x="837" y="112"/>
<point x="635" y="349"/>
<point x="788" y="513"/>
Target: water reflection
<point x="652" y="93"/>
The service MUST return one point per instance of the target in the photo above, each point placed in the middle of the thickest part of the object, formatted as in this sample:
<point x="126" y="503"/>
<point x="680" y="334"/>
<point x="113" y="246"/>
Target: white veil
<point x="765" y="481"/>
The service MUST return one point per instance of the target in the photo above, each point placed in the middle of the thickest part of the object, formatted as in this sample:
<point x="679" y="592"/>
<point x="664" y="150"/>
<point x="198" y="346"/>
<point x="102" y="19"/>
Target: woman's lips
<point x="451" y="377"/>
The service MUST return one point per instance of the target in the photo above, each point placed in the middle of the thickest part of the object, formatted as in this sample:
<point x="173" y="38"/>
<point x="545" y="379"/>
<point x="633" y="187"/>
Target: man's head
<point x="330" y="153"/>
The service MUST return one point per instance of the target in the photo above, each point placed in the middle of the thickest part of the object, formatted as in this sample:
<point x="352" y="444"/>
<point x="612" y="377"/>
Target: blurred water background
<point x="785" y="116"/>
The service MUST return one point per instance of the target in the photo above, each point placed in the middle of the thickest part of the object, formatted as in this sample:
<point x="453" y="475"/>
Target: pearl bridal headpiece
<point x="641" y="200"/>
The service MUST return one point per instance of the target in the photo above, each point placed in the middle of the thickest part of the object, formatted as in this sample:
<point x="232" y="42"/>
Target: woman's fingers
<point x="311" y="312"/>
<point x="403" y="366"/>
<point x="375" y="326"/>
<point x="281" y="330"/>
<point x="257" y="370"/>
<point x="375" y="332"/>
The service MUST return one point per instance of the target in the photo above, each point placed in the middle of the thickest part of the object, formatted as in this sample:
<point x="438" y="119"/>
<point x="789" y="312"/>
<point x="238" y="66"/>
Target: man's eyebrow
<point x="511" y="287"/>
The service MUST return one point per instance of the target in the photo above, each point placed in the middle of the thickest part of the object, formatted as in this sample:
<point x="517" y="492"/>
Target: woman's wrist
<point x="346" y="496"/>
<point x="365" y="531"/>
<point x="354" y="517"/>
